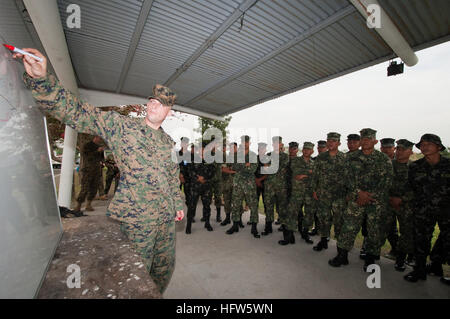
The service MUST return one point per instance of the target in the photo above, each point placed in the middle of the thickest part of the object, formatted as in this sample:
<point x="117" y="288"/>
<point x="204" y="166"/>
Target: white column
<point x="47" y="22"/>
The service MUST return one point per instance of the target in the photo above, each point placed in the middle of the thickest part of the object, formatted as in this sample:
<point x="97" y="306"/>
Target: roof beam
<point x="211" y="39"/>
<point x="302" y="37"/>
<point x="142" y="19"/>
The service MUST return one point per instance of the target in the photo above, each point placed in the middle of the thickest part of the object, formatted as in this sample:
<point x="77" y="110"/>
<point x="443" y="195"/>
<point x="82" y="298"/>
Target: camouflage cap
<point x="334" y="136"/>
<point x="277" y="139"/>
<point x="163" y="94"/>
<point x="405" y="143"/>
<point x="293" y="144"/>
<point x="431" y="138"/>
<point x="245" y="138"/>
<point x="308" y="145"/>
<point x="368" y="133"/>
<point x="321" y="143"/>
<point x="387" y="142"/>
<point x="262" y="145"/>
<point x="353" y="137"/>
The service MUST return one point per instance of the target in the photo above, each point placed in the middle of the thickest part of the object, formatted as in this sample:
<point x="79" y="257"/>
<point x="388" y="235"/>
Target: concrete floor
<point x="217" y="265"/>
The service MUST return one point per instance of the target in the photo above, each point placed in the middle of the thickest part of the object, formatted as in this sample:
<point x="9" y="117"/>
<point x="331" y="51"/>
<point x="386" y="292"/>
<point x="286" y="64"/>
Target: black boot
<point x="218" y="219"/>
<point x="419" y="272"/>
<point x="435" y="269"/>
<point x="340" y="259"/>
<point x="240" y="223"/>
<point x="255" y="231"/>
<point x="288" y="238"/>
<point x="282" y="228"/>
<point x="323" y="244"/>
<point x="207" y="224"/>
<point x="400" y="262"/>
<point x="267" y="229"/>
<point x="188" y="225"/>
<point x="227" y="220"/>
<point x="370" y="260"/>
<point x="305" y="236"/>
<point x="234" y="228"/>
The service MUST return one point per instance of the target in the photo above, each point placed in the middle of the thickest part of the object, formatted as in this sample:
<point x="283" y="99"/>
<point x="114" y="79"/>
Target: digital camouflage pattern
<point x="164" y="95"/>
<point x="276" y="189"/>
<point x="227" y="186"/>
<point x="372" y="173"/>
<point x="300" y="200"/>
<point x="329" y="185"/>
<point x="431" y="203"/>
<point x="244" y="187"/>
<point x="217" y="184"/>
<point x="112" y="173"/>
<point x="90" y="171"/>
<point x="148" y="195"/>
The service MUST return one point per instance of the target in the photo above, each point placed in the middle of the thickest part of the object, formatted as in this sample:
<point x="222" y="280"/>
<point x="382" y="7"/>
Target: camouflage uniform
<point x="227" y="189"/>
<point x="328" y="184"/>
<point x="276" y="188"/>
<point x="371" y="173"/>
<point x="431" y="203"/>
<point x="90" y="171"/>
<point x="216" y="187"/>
<point x="300" y="200"/>
<point x="112" y="173"/>
<point x="148" y="195"/>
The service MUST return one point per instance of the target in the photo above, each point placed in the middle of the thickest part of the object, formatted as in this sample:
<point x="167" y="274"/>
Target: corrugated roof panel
<point x="12" y="26"/>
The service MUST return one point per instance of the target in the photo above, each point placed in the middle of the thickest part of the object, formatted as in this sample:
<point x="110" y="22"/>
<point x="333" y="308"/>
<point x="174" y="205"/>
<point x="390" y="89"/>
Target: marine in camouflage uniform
<point x="90" y="172"/>
<point x="201" y="175"/>
<point x="329" y="189"/>
<point x="148" y="198"/>
<point x="429" y="178"/>
<point x="112" y="173"/>
<point x="244" y="187"/>
<point x="299" y="211"/>
<point x="275" y="185"/>
<point x="388" y="148"/>
<point x="400" y="196"/>
<point x="321" y="148"/>
<point x="368" y="176"/>
<point x="227" y="182"/>
<point x="216" y="185"/>
<point x="260" y="177"/>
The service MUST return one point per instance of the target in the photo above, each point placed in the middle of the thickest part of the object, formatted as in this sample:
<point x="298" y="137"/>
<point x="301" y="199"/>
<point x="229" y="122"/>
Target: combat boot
<point x="323" y="244"/>
<point x="240" y="222"/>
<point x="419" y="272"/>
<point x="435" y="269"/>
<point x="370" y="260"/>
<point x="267" y="229"/>
<point x="234" y="228"/>
<point x="188" y="225"/>
<point x="288" y="238"/>
<point x="218" y="219"/>
<point x="207" y="224"/>
<point x="340" y="259"/>
<point x="89" y="207"/>
<point x="305" y="236"/>
<point x="226" y="220"/>
<point x="400" y="262"/>
<point x="255" y="231"/>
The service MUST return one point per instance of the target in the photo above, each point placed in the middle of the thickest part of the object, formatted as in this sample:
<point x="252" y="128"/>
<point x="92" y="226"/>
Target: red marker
<point x="17" y="50"/>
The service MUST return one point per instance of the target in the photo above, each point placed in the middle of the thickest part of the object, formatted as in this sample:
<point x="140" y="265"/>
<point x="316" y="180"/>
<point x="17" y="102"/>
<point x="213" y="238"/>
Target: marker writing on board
<point x="17" y="50"/>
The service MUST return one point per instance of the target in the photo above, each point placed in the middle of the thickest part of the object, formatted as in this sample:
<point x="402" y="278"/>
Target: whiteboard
<point x="30" y="225"/>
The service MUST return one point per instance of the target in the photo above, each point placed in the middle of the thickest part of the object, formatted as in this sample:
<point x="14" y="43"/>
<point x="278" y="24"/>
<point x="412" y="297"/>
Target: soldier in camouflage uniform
<point x="368" y="176"/>
<point x="388" y="148"/>
<point x="329" y="189"/>
<point x="112" y="173"/>
<point x="148" y="199"/>
<point x="90" y="172"/>
<point x="300" y="200"/>
<point x="429" y="178"/>
<point x="400" y="196"/>
<point x="259" y="179"/>
<point x="216" y="183"/>
<point x="321" y="148"/>
<point x="227" y="182"/>
<point x="244" y="187"/>
<point x="201" y="175"/>
<point x="275" y="185"/>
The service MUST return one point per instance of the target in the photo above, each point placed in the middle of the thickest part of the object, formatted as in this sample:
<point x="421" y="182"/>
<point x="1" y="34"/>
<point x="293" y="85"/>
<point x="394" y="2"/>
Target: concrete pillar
<point x="47" y="22"/>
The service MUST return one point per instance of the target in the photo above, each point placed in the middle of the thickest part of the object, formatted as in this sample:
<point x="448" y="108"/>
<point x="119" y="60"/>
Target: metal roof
<point x="224" y="56"/>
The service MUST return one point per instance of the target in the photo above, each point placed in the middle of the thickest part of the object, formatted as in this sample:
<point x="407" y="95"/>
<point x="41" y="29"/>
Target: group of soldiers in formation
<point x="363" y="189"/>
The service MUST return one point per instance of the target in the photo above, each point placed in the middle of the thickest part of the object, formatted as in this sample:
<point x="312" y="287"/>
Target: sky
<point x="402" y="106"/>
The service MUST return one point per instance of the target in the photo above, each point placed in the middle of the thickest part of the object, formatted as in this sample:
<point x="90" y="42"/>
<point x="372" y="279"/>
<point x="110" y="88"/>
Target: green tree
<point x="206" y="123"/>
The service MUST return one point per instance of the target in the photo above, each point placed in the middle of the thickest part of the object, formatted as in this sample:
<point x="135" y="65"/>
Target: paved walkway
<point x="217" y="265"/>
